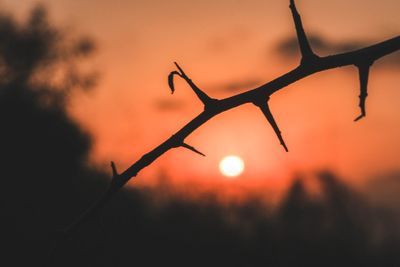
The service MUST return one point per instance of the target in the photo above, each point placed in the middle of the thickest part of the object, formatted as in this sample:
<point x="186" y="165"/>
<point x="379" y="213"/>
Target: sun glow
<point x="231" y="166"/>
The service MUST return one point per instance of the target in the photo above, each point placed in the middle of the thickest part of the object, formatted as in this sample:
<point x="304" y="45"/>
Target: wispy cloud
<point x="235" y="85"/>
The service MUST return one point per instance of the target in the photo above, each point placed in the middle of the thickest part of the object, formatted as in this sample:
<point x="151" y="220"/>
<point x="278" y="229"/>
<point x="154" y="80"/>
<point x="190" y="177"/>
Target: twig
<point x="207" y="101"/>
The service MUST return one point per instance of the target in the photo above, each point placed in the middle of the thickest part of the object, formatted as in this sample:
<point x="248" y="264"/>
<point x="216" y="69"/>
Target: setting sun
<point x="231" y="166"/>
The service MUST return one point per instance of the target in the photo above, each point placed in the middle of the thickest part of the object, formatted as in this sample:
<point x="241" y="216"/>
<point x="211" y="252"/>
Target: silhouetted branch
<point x="363" y="70"/>
<point x="305" y="48"/>
<point x="264" y="107"/>
<point x="214" y="107"/>
<point x="207" y="101"/>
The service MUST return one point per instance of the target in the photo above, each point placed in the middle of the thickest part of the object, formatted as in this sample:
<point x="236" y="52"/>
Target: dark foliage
<point x="337" y="228"/>
<point x="44" y="177"/>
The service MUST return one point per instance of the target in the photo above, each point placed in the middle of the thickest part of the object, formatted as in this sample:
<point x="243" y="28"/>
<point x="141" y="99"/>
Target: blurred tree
<point x="45" y="178"/>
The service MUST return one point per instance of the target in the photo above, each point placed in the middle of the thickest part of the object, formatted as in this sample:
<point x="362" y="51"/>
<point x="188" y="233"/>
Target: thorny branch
<point x="310" y="64"/>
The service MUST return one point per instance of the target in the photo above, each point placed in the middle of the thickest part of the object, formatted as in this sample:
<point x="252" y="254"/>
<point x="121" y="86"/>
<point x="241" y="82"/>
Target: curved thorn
<point x="363" y="70"/>
<point x="171" y="80"/>
<point x="263" y="105"/>
<point x="192" y="149"/>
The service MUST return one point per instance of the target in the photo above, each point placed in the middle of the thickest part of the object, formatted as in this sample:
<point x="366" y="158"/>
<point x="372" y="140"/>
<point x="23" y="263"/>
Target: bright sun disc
<point x="231" y="166"/>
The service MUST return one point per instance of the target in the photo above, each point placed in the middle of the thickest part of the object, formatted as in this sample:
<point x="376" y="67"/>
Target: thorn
<point x="359" y="117"/>
<point x="180" y="69"/>
<point x="263" y="105"/>
<point x="305" y="48"/>
<point x="363" y="70"/>
<point x="114" y="170"/>
<point x="171" y="80"/>
<point x="192" y="149"/>
<point x="200" y="94"/>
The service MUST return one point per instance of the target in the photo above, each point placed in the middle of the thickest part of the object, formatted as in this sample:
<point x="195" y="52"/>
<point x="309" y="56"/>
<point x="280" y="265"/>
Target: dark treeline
<point x="46" y="182"/>
<point x="338" y="227"/>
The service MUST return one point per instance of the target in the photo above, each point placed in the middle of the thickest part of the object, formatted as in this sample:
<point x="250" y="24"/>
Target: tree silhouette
<point x="44" y="176"/>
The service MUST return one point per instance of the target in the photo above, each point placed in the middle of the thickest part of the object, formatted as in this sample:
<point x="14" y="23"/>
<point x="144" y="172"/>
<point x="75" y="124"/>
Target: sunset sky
<point x="227" y="47"/>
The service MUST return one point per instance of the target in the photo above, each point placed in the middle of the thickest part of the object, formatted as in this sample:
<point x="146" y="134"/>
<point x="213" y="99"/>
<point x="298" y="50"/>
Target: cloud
<point x="168" y="104"/>
<point x="289" y="48"/>
<point x="235" y="86"/>
<point x="239" y="85"/>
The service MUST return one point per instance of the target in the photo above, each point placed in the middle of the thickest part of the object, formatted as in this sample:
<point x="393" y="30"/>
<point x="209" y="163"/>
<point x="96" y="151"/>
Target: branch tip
<point x="179" y="68"/>
<point x="204" y="98"/>
<point x="192" y="149"/>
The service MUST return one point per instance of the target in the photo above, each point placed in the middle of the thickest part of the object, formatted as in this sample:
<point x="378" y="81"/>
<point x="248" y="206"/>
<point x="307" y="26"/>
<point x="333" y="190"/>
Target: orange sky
<point x="225" y="42"/>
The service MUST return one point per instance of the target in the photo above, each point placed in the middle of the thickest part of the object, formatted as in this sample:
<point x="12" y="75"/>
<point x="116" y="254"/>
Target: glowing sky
<point x="227" y="44"/>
